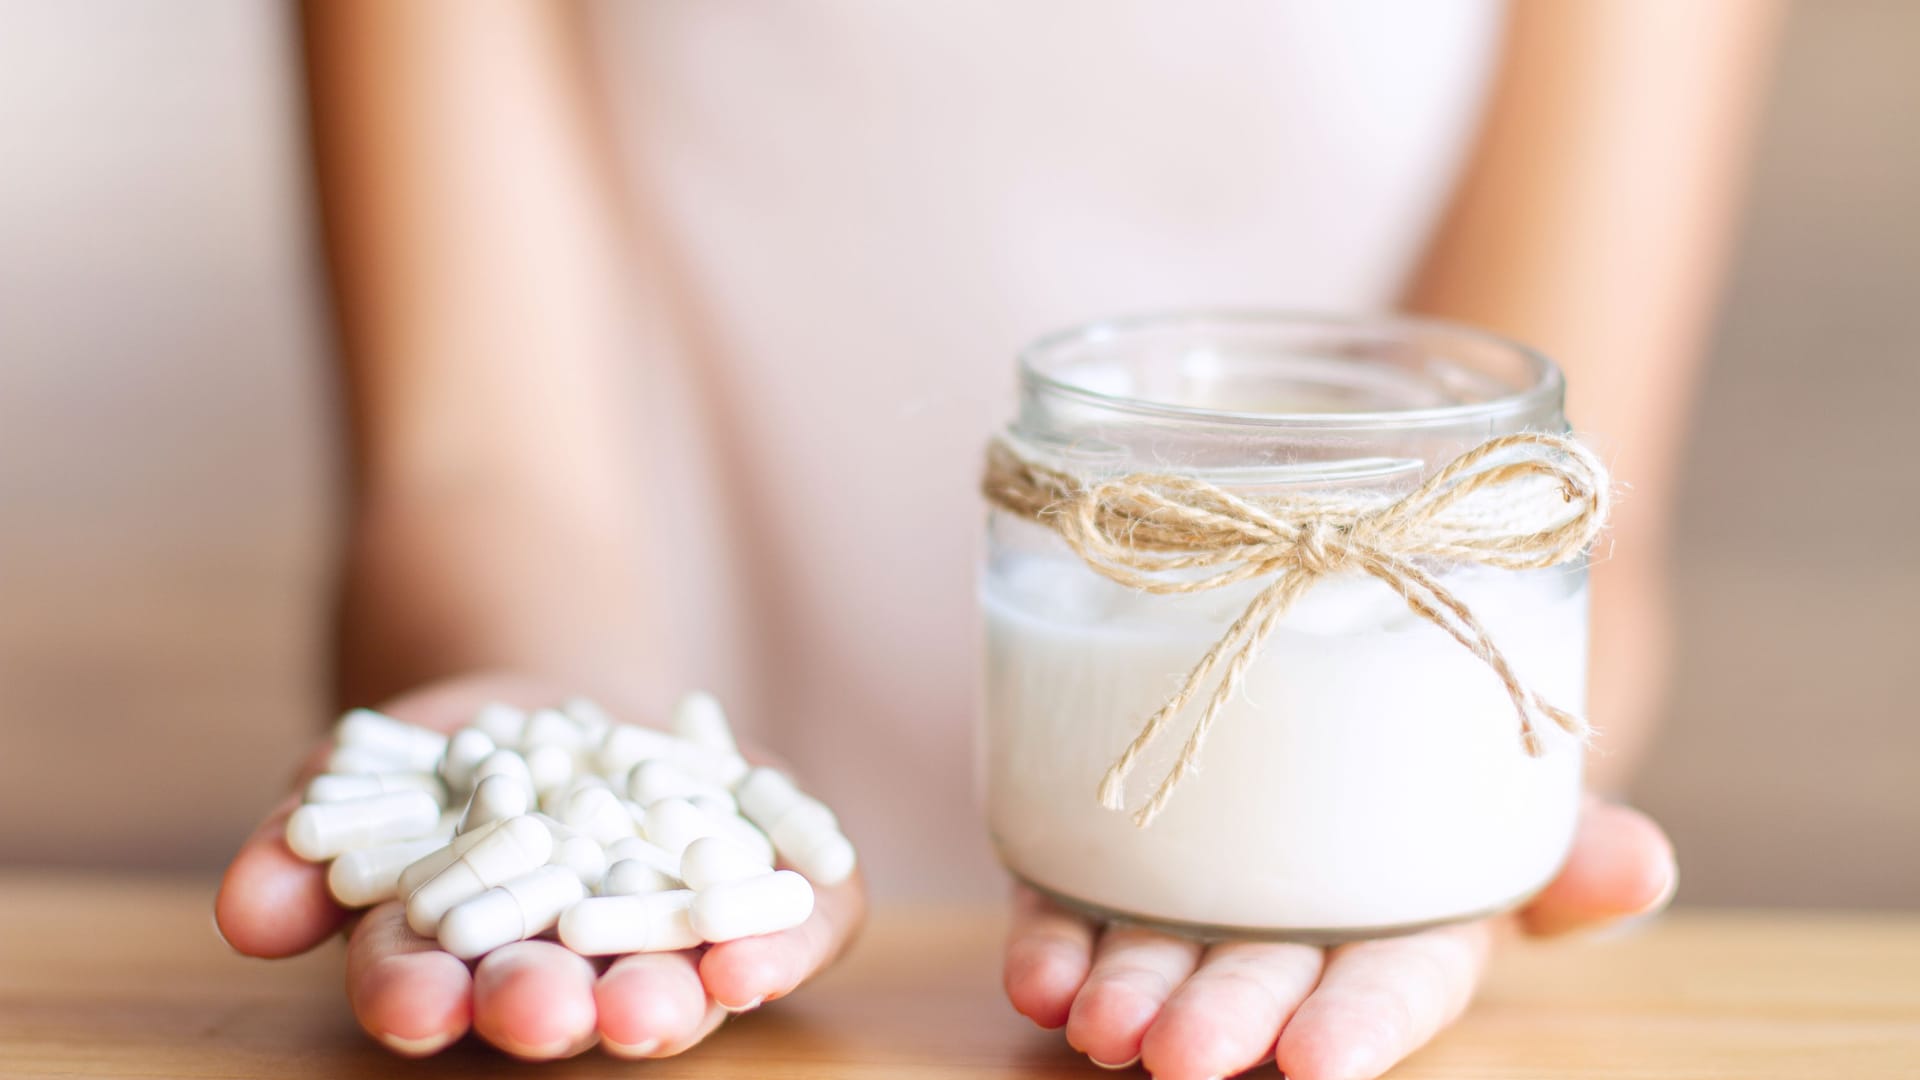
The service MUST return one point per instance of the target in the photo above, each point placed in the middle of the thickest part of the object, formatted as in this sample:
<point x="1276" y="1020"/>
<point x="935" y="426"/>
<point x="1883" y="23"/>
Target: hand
<point x="533" y="999"/>
<point x="1185" y="1010"/>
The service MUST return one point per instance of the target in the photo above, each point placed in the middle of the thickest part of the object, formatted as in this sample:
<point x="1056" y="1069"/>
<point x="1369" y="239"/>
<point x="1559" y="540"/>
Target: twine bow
<point x="1516" y="502"/>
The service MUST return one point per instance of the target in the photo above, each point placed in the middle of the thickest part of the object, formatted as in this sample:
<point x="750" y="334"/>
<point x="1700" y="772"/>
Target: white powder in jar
<point x="1368" y="776"/>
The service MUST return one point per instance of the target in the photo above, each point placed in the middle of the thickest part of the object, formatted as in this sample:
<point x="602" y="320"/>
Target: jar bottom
<point x="1291" y="935"/>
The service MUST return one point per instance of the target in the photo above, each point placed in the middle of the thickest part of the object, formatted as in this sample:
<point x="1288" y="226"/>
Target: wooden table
<point x="122" y="976"/>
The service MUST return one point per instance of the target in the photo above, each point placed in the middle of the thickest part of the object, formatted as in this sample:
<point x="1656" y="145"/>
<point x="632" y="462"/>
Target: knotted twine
<point x="1516" y="502"/>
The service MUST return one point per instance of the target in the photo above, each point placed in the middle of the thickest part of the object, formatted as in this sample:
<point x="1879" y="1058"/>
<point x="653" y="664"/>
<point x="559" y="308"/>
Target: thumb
<point x="1621" y="865"/>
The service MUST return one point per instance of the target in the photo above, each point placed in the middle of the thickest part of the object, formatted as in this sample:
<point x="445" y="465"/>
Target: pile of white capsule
<point x="625" y="839"/>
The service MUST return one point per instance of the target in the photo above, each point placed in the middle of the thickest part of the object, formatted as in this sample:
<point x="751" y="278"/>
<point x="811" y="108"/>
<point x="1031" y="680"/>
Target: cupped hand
<point x="533" y="999"/>
<point x="1186" y="1010"/>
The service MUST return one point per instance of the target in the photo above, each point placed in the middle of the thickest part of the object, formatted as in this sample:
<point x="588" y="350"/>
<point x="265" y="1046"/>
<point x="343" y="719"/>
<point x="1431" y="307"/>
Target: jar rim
<point x="1546" y="385"/>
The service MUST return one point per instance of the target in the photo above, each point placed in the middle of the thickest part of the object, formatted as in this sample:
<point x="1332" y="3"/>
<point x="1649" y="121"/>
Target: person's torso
<point x="866" y="207"/>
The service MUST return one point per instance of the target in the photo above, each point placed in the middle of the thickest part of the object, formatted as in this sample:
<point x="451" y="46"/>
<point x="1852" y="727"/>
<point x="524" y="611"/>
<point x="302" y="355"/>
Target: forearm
<point x="440" y="585"/>
<point x="479" y="266"/>
<point x="1594" y="221"/>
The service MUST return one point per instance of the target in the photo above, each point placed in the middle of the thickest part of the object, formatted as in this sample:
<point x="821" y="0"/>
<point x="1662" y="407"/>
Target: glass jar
<point x="1366" y="778"/>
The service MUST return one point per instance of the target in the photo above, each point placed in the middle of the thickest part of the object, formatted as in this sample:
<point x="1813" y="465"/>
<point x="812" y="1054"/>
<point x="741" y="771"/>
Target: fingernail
<point x="215" y="916"/>
<point x="746" y="1007"/>
<point x="1629" y="925"/>
<point x="643" y="1048"/>
<point x="537" y="1051"/>
<point x="1127" y="1064"/>
<point x="1666" y="895"/>
<point x="421" y="1047"/>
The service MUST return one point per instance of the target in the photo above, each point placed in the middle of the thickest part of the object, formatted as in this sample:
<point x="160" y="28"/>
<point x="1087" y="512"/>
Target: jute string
<point x="1517" y="502"/>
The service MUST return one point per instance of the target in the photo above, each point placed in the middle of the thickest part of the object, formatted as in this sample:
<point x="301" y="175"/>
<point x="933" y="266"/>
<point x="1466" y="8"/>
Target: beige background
<point x="166" y="459"/>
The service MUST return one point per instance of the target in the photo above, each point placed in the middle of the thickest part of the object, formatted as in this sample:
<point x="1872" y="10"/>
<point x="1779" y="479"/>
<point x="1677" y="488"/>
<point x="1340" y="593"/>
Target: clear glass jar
<point x="1367" y="779"/>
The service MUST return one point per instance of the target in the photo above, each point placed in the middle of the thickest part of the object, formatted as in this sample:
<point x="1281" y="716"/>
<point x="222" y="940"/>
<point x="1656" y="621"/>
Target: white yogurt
<point x="1369" y="775"/>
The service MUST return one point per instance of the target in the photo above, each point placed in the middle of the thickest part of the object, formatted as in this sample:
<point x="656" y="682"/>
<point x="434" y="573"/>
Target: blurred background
<point x="168" y="462"/>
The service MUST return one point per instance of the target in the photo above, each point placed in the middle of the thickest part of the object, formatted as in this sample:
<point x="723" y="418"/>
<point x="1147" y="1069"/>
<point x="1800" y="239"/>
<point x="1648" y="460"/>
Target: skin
<point x="1594" y="221"/>
<point x="473" y="220"/>
<point x="1603" y="113"/>
<point x="534" y="999"/>
<point x="1184" y="1010"/>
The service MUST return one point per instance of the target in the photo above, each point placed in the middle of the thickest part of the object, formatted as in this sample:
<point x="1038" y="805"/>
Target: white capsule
<point x="627" y="745"/>
<point x="716" y="860"/>
<point x="514" y="910"/>
<point x="582" y="857"/>
<point x="672" y="824"/>
<point x="590" y="716"/>
<point x="765" y="904"/>
<point x="801" y="827"/>
<point x="648" y="922"/>
<point x="575" y="850"/>
<point x="805" y="818"/>
<point x="651" y="781"/>
<point x="634" y="849"/>
<point x="716" y="806"/>
<point x="747" y="835"/>
<point x="699" y="719"/>
<point x="765" y="794"/>
<point x="495" y="798"/>
<point x="515" y="847"/>
<point x="502" y="723"/>
<point x="367" y="876"/>
<point x="319" y="831"/>
<point x="354" y="760"/>
<point x="426" y="866"/>
<point x="419" y="748"/>
<point x="504" y="763"/>
<point x="466" y="749"/>
<point x="560" y="829"/>
<point x="599" y="813"/>
<point x="550" y="767"/>
<point x="553" y="802"/>
<point x="338" y="787"/>
<point x="551" y="727"/>
<point x="711" y="766"/>
<point x="812" y="844"/>
<point x="630" y="877"/>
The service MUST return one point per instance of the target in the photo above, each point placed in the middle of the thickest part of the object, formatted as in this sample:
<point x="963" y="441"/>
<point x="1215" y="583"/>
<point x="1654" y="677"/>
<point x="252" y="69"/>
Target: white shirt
<point x="865" y="207"/>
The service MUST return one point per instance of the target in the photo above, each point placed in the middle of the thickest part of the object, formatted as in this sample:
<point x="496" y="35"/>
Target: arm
<point x="479" y="265"/>
<point x="479" y="269"/>
<point x="1594" y="221"/>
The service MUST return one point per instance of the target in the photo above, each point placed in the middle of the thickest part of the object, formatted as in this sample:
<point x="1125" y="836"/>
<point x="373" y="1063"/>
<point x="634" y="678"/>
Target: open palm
<point x="533" y="999"/>
<point x="1187" y="1010"/>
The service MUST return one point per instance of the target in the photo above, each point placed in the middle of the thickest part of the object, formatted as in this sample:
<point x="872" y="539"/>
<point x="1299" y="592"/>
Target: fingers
<point x="1134" y="972"/>
<point x="1378" y="1001"/>
<point x="1049" y="952"/>
<point x="271" y="902"/>
<point x="1226" y="1017"/>
<point x="657" y="1005"/>
<point x="653" y="1005"/>
<point x="535" y="1000"/>
<point x="1621" y="865"/>
<point x="405" y="991"/>
<point x="742" y="974"/>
